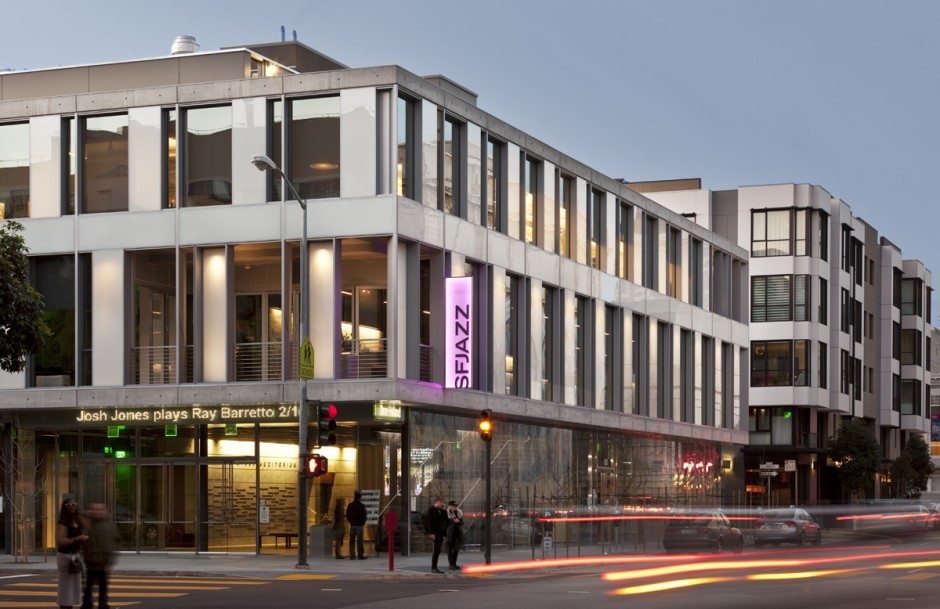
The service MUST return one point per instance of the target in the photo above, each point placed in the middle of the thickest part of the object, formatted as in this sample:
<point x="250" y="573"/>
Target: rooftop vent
<point x="183" y="45"/>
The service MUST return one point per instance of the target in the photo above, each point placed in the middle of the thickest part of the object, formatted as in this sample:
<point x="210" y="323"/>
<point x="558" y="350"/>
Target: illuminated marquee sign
<point x="175" y="415"/>
<point x="459" y="329"/>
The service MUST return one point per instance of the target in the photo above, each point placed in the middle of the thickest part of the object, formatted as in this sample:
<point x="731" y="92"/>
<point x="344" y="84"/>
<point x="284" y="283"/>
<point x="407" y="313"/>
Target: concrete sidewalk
<point x="250" y="565"/>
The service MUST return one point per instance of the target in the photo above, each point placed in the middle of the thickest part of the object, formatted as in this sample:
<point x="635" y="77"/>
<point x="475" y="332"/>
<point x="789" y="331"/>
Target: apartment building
<point x="839" y="328"/>
<point x="608" y="332"/>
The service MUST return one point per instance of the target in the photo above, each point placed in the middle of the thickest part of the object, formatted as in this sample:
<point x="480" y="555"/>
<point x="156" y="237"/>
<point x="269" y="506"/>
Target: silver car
<point x="792" y="525"/>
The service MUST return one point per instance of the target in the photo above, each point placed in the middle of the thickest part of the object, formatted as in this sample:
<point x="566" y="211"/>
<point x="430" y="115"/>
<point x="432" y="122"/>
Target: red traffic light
<point x="326" y="424"/>
<point x="315" y="465"/>
<point x="331" y="411"/>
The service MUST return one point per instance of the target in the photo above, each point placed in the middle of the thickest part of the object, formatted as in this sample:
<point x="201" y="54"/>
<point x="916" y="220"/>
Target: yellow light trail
<point x="671" y="585"/>
<point x="912" y="565"/>
<point x="797" y="575"/>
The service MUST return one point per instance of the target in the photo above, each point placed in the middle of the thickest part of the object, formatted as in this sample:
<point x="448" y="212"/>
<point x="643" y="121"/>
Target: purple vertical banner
<point x="458" y="296"/>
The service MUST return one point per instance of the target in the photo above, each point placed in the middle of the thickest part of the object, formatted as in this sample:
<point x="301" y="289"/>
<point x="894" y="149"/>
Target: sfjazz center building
<point x="455" y="264"/>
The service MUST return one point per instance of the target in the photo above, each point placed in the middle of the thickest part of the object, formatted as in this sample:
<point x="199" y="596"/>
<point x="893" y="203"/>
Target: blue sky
<point x="843" y="94"/>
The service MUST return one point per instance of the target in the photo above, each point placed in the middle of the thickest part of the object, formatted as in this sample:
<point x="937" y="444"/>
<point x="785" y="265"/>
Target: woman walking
<point x="68" y="539"/>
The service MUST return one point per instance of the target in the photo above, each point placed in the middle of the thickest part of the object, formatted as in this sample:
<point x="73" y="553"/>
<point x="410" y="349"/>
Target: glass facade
<point x="14" y="171"/>
<point x="314" y="147"/>
<point x="208" y="156"/>
<point x="104" y="164"/>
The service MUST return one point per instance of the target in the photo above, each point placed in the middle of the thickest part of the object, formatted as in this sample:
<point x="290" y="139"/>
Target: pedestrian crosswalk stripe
<point x="114" y="586"/>
<point x="187" y="580"/>
<point x="45" y="604"/>
<point x="6" y="593"/>
<point x="920" y="576"/>
<point x="305" y="576"/>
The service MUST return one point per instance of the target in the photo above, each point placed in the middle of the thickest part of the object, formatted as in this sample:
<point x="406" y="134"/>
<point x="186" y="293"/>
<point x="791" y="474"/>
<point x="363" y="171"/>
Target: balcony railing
<point x="425" y="362"/>
<point x="364" y="358"/>
<point x="257" y="362"/>
<point x="153" y="365"/>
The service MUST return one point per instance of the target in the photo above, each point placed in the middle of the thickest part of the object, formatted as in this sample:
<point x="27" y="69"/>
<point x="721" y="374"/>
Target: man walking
<point x="356" y="517"/>
<point x="98" y="552"/>
<point x="436" y="527"/>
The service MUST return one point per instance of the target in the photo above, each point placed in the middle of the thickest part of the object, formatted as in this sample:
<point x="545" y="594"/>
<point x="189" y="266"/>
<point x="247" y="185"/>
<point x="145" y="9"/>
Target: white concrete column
<point x="216" y="287"/>
<point x="474" y="177"/>
<point x="144" y="158"/>
<point x="249" y="137"/>
<point x="547" y="188"/>
<point x="569" y="301"/>
<point x="107" y="318"/>
<point x="45" y="166"/>
<point x="610" y="235"/>
<point x="428" y="154"/>
<point x="536" y="332"/>
<point x="324" y="264"/>
<point x="358" y="143"/>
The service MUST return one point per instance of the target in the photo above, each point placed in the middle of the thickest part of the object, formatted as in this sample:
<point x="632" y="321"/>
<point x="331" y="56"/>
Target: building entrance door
<point x="231" y="505"/>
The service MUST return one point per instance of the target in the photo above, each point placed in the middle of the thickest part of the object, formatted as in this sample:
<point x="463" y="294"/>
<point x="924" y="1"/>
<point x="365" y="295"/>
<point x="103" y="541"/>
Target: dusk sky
<point x="840" y="94"/>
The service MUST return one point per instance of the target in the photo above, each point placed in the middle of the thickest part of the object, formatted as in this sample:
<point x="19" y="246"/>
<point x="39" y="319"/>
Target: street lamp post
<point x="264" y="163"/>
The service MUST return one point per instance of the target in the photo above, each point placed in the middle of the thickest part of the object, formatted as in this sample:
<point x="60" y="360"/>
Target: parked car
<point x="787" y="526"/>
<point x="709" y="531"/>
<point x="934" y="509"/>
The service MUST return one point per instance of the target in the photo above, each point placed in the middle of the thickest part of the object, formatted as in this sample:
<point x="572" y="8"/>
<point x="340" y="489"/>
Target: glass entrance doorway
<point x="153" y="504"/>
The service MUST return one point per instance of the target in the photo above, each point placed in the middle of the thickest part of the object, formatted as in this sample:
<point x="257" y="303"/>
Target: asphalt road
<point x="877" y="574"/>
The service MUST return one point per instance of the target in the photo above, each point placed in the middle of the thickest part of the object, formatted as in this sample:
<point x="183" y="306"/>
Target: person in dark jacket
<point x="339" y="527"/>
<point x="454" y="534"/>
<point x="356" y="517"/>
<point x="98" y="552"/>
<point x="436" y="527"/>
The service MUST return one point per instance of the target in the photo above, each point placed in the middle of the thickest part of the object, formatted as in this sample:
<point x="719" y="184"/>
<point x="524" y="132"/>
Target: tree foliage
<point x="22" y="330"/>
<point x="856" y="450"/>
<point x="913" y="467"/>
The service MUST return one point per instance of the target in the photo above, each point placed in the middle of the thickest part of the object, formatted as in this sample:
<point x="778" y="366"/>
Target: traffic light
<point x="486" y="426"/>
<point x="326" y="424"/>
<point x="315" y="465"/>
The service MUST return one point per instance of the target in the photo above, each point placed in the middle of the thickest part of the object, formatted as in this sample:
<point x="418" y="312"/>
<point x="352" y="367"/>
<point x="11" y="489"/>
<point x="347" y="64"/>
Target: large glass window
<point x="169" y="158"/>
<point x="911" y="347"/>
<point x="69" y="158"/>
<point x="104" y="164"/>
<point x="823" y="235"/>
<point x="530" y="191"/>
<point x="451" y="165"/>
<point x="823" y="365"/>
<point x="801" y="298"/>
<point x="275" y="147"/>
<point x="801" y="354"/>
<point x="846" y="311"/>
<point x="823" y="301"/>
<point x="673" y="248"/>
<point x="910" y="397"/>
<point x="664" y="363"/>
<point x="696" y="272"/>
<point x="580" y="349"/>
<point x="624" y="240"/>
<point x="801" y="232"/>
<point x="53" y="365"/>
<point x="770" y="298"/>
<point x="771" y="363"/>
<point x="639" y="370"/>
<point x="406" y="148"/>
<point x="314" y="146"/>
<point x="208" y="156"/>
<point x="14" y="171"/>
<point x="611" y="315"/>
<point x="512" y="334"/>
<point x="595" y="227"/>
<point x="651" y="252"/>
<point x="565" y="211"/>
<point x="494" y="183"/>
<point x="770" y="233"/>
<point x="845" y="373"/>
<point x="548" y="343"/>
<point x="153" y="351"/>
<point x="912" y="297"/>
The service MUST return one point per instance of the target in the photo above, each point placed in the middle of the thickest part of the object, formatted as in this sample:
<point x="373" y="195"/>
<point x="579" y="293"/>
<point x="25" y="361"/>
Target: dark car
<point x="787" y="526"/>
<point x="706" y="531"/>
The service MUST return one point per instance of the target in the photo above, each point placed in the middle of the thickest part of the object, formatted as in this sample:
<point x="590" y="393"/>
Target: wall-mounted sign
<point x="370" y="498"/>
<point x="459" y="332"/>
<point x="175" y="415"/>
<point x="387" y="410"/>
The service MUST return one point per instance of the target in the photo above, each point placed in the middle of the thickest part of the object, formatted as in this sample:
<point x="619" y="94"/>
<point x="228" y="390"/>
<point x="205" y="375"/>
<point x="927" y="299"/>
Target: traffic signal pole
<point x="488" y="517"/>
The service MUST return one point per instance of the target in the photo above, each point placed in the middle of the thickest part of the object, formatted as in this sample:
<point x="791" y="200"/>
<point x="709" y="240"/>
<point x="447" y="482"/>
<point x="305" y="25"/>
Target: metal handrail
<point x="153" y="365"/>
<point x="258" y="361"/>
<point x="363" y="358"/>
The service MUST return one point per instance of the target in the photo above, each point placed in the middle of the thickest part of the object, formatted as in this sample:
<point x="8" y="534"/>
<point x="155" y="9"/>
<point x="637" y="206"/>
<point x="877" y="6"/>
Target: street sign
<point x="769" y="466"/>
<point x="306" y="359"/>
<point x="768" y="474"/>
<point x="789" y="465"/>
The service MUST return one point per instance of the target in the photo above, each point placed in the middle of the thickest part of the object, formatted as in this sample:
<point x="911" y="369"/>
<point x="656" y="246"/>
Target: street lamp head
<point x="263" y="163"/>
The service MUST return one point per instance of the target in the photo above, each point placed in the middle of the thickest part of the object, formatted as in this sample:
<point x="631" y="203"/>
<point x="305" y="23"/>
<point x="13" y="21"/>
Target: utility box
<point x="321" y="540"/>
